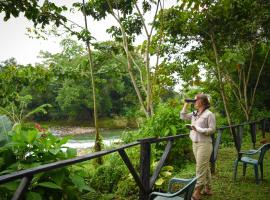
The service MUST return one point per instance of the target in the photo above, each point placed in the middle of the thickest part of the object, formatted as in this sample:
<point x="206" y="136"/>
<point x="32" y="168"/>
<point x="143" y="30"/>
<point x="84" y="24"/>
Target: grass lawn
<point x="244" y="187"/>
<point x="223" y="185"/>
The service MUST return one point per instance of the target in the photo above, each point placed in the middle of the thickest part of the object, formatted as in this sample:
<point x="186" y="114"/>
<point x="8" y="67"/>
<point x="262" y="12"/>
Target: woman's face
<point x="198" y="103"/>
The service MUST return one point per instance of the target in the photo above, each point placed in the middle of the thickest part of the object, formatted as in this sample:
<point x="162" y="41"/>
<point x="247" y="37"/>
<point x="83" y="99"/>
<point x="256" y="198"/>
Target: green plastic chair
<point x="184" y="193"/>
<point x="252" y="161"/>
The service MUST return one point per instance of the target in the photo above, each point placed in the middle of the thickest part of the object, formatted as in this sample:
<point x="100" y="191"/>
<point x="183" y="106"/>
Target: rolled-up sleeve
<point x="185" y="116"/>
<point x="211" y="126"/>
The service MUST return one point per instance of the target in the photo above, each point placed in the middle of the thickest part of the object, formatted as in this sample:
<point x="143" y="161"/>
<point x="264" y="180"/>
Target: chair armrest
<point x="181" y="180"/>
<point x="154" y="194"/>
<point x="177" y="180"/>
<point x="250" y="152"/>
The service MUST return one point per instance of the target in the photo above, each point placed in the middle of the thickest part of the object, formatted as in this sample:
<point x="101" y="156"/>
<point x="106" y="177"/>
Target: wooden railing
<point x="143" y="180"/>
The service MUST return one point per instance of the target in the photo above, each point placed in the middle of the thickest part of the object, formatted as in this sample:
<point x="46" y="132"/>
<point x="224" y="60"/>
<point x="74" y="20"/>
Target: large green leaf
<point x="173" y="129"/>
<point x="64" y="140"/>
<point x="71" y="152"/>
<point x="50" y="185"/>
<point x="54" y="151"/>
<point x="160" y="181"/>
<point x="12" y="186"/>
<point x="30" y="136"/>
<point x="58" y="176"/>
<point x="167" y="168"/>
<point x="166" y="173"/>
<point x="33" y="196"/>
<point x="78" y="181"/>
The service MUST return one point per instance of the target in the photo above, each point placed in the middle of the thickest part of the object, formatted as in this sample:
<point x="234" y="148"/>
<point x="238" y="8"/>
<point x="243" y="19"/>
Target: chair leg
<point x="244" y="168"/>
<point x="261" y="168"/>
<point x="235" y="169"/>
<point x="256" y="173"/>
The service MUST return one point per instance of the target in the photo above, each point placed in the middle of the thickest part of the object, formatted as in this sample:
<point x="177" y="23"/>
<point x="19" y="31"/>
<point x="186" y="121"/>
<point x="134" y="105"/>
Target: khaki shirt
<point x="204" y="123"/>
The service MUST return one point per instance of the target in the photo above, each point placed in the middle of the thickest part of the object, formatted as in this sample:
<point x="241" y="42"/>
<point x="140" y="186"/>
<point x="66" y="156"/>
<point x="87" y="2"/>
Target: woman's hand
<point x="193" y="128"/>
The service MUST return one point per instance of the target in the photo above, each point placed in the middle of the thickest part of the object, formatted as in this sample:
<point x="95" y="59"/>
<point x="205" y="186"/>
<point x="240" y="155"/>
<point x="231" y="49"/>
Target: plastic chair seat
<point x="249" y="160"/>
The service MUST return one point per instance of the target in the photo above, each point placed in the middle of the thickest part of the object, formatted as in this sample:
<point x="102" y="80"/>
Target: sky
<point x="14" y="42"/>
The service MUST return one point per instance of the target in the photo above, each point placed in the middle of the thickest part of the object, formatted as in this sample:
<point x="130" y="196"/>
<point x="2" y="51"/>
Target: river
<point x="109" y="137"/>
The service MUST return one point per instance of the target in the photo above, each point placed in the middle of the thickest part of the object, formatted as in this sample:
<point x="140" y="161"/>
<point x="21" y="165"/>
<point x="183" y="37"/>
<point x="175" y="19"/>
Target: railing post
<point x="212" y="158"/>
<point x="237" y="136"/>
<point x="253" y="133"/>
<point x="263" y="124"/>
<point x="145" y="167"/>
<point x="215" y="142"/>
<point x="22" y="188"/>
<point x="161" y="163"/>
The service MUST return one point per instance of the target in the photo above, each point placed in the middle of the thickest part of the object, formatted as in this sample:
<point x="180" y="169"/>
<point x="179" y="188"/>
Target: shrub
<point x="166" y="122"/>
<point x="127" y="188"/>
<point x="105" y="178"/>
<point x="33" y="147"/>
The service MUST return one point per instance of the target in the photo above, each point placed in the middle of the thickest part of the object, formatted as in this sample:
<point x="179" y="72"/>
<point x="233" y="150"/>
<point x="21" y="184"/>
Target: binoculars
<point x="190" y="100"/>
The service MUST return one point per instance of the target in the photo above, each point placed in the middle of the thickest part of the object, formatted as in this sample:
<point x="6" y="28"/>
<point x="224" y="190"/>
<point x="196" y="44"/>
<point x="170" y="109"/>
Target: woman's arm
<point x="183" y="114"/>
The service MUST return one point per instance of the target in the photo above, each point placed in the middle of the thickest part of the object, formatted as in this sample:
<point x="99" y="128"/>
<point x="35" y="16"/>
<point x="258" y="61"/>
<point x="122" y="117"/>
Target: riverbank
<point x="64" y="128"/>
<point x="103" y="123"/>
<point x="70" y="130"/>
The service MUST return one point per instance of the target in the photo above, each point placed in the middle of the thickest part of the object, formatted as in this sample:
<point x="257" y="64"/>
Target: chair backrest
<point x="263" y="150"/>
<point x="187" y="191"/>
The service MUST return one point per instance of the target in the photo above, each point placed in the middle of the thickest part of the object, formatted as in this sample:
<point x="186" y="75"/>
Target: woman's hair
<point x="204" y="99"/>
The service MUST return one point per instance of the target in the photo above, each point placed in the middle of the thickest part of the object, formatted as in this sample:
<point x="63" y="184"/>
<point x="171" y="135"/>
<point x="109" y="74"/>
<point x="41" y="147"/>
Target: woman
<point x="203" y="124"/>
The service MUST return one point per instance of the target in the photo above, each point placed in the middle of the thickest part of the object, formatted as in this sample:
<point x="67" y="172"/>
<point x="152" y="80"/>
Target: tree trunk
<point x="147" y="103"/>
<point x="129" y="61"/>
<point x="97" y="146"/>
<point x="221" y="84"/>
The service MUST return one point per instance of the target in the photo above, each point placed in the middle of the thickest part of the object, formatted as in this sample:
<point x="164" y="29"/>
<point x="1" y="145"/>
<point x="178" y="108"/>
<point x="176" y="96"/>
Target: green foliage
<point x="105" y="178"/>
<point x="164" y="176"/>
<point x="127" y="187"/>
<point x="74" y="98"/>
<point x="40" y="14"/>
<point x="15" y="79"/>
<point x="30" y="148"/>
<point x="164" y="122"/>
<point x="63" y="81"/>
<point x="112" y="179"/>
<point x="18" y="112"/>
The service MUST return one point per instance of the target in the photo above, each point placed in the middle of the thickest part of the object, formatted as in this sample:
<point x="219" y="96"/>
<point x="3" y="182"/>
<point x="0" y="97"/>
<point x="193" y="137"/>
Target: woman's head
<point x="202" y="101"/>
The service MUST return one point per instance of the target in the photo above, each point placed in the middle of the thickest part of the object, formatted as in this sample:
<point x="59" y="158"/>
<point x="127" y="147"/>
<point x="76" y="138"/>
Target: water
<point x="88" y="140"/>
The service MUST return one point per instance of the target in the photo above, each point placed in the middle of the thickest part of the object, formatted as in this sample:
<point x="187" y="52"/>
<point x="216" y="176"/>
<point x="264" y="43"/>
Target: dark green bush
<point x="127" y="188"/>
<point x="30" y="148"/>
<point x="165" y="122"/>
<point x="105" y="178"/>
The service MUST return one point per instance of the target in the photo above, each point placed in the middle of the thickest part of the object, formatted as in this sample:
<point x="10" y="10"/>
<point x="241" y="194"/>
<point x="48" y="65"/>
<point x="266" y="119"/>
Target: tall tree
<point x="223" y="37"/>
<point x="132" y="21"/>
<point x="91" y="65"/>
